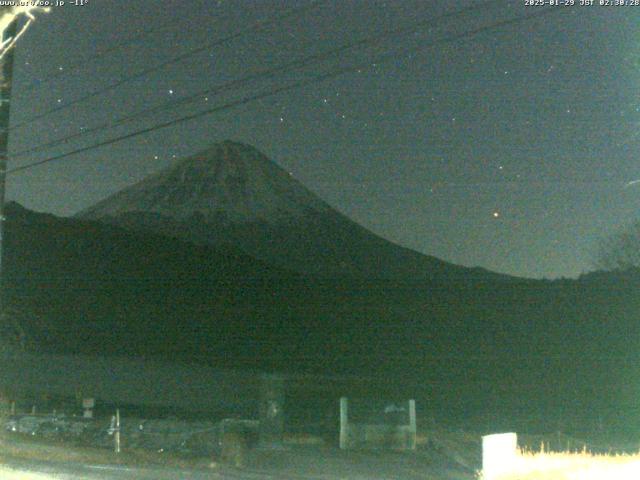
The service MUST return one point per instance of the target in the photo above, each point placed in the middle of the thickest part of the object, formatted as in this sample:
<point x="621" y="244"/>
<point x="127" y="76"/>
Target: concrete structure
<point x="375" y="434"/>
<point x="271" y="411"/>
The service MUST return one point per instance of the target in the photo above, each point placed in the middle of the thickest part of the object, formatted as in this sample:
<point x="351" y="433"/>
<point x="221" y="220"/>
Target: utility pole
<point x="6" y="79"/>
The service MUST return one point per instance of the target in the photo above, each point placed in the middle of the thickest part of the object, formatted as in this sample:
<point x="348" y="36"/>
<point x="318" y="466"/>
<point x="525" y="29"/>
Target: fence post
<point x="412" y="424"/>
<point x="344" y="423"/>
<point x="116" y="434"/>
<point x="499" y="454"/>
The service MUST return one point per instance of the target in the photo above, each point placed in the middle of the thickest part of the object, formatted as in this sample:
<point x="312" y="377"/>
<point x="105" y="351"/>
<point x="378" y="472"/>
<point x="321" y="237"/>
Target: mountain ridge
<point x="232" y="193"/>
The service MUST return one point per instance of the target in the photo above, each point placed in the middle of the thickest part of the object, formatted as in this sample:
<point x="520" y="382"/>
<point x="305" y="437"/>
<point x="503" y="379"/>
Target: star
<point x="170" y="91"/>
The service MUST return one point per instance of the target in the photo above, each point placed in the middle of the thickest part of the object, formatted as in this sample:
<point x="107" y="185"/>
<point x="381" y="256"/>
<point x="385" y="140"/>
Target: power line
<point x="256" y="26"/>
<point x="269" y="93"/>
<point x="260" y="75"/>
<point x="127" y="42"/>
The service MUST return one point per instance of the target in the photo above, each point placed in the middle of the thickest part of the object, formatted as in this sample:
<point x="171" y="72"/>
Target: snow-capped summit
<point x="229" y="180"/>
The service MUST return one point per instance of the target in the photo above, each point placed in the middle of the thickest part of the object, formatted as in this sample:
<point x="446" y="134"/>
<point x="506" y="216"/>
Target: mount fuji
<point x="231" y="194"/>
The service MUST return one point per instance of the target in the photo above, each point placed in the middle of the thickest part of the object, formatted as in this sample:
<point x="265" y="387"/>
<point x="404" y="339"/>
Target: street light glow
<point x="10" y="14"/>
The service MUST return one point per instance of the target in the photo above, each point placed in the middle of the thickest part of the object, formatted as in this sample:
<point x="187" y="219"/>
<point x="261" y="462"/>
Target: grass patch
<point x="582" y="465"/>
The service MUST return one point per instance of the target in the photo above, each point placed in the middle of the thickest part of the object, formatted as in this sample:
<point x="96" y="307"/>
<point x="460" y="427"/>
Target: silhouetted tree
<point x="621" y="250"/>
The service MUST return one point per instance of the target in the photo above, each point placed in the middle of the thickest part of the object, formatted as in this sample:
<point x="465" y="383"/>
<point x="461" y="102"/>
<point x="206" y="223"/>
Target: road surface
<point x="285" y="466"/>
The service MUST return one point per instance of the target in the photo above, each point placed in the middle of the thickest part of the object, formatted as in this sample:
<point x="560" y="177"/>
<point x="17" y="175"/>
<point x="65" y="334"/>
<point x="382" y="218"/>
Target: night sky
<point x="512" y="149"/>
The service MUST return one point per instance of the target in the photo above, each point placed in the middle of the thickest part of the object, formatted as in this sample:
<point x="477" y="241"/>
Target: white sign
<point x="499" y="454"/>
